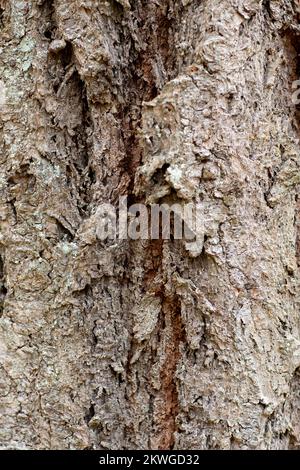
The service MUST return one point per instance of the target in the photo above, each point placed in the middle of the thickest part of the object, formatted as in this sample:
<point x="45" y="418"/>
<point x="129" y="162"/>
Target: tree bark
<point x="144" y="344"/>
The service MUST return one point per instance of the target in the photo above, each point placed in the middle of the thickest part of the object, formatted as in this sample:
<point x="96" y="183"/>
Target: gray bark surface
<point x="143" y="344"/>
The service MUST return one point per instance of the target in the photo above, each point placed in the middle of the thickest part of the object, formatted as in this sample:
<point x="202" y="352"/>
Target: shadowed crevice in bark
<point x="297" y="226"/>
<point x="71" y="120"/>
<point x="48" y="27"/>
<point x="266" y="8"/>
<point x="1" y="17"/>
<point x="3" y="289"/>
<point x="152" y="65"/>
<point x="5" y="15"/>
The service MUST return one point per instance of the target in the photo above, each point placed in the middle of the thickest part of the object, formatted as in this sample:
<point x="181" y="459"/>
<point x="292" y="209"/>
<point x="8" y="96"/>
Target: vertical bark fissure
<point x="124" y="344"/>
<point x="3" y="289"/>
<point x="142" y="80"/>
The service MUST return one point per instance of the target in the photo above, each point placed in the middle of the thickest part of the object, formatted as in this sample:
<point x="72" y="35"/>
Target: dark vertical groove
<point x="3" y="289"/>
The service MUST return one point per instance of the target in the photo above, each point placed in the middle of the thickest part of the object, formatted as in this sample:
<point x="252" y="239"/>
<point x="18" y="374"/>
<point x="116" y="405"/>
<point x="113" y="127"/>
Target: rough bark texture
<point x="142" y="344"/>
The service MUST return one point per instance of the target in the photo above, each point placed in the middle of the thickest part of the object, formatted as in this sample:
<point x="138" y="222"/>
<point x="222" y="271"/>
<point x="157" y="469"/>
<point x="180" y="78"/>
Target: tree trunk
<point x="129" y="344"/>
